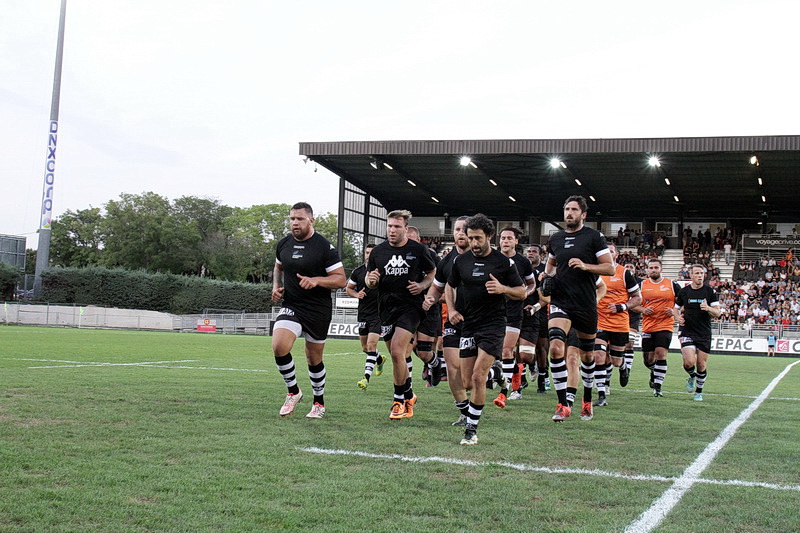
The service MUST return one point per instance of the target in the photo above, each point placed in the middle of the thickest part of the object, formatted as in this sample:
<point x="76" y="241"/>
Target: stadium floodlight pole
<point x="46" y="212"/>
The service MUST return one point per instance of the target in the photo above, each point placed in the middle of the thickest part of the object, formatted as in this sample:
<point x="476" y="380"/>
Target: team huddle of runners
<point x="479" y="316"/>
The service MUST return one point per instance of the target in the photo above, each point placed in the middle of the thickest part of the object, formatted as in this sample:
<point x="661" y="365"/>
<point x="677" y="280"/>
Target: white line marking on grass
<point x="140" y="363"/>
<point x="531" y="468"/>
<point x="660" y="508"/>
<point x="207" y="368"/>
<point x="467" y="462"/>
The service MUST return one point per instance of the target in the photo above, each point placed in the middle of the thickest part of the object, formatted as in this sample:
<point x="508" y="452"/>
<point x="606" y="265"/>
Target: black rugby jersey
<point x="469" y="277"/>
<point x="368" y="305"/>
<point x="312" y="257"/>
<point x="697" y="323"/>
<point x="525" y="270"/>
<point x="398" y="265"/>
<point x="575" y="288"/>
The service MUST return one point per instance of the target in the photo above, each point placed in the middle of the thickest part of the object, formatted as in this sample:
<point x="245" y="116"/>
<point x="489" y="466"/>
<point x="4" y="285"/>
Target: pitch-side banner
<point x="718" y="344"/>
<point x="770" y="242"/>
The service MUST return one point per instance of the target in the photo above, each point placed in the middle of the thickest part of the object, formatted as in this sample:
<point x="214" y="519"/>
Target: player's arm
<point x="351" y="290"/>
<point x="600" y="289"/>
<point x="550" y="266"/>
<point x="334" y="279"/>
<point x="604" y="266"/>
<point x="277" y="282"/>
<point x="432" y="296"/>
<point x="712" y="309"/>
<point x="453" y="315"/>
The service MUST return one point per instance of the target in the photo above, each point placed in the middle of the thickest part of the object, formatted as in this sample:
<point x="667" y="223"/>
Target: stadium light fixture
<point x="493" y="182"/>
<point x="760" y="181"/>
<point x="374" y="163"/>
<point x="555" y="163"/>
<point x="666" y="180"/>
<point x="592" y="198"/>
<point x="465" y="160"/>
<point x="435" y="199"/>
<point x="411" y="183"/>
<point x="472" y="164"/>
<point x="763" y="198"/>
<point x="578" y="182"/>
<point x="754" y="160"/>
<point x="512" y="198"/>
<point x="653" y="161"/>
<point x="676" y="198"/>
<point x="387" y="165"/>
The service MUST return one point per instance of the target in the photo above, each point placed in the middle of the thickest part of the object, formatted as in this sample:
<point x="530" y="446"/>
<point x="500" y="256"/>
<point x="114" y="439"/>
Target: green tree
<point x="77" y="238"/>
<point x="144" y="234"/>
<point x="327" y="225"/>
<point x="202" y="220"/>
<point x="9" y="277"/>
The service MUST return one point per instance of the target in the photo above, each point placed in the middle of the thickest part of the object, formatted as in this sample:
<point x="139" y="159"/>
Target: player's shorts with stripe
<point x="614" y="338"/>
<point x="583" y="320"/>
<point x="655" y="339"/>
<point x="488" y="336"/>
<point x="313" y="328"/>
<point x="451" y="335"/>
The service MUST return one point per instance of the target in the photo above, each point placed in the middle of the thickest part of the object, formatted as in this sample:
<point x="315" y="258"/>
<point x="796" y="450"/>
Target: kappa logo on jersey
<point x="285" y="311"/>
<point x="396" y="266"/>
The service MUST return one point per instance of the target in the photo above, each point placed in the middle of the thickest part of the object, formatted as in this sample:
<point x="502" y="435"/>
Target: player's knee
<point x="585" y="345"/>
<point x="557" y="334"/>
<point x="424" y="346"/>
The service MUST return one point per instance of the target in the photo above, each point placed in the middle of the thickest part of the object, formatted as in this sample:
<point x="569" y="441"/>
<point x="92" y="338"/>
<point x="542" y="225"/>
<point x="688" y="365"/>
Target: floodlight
<point x="465" y="161"/>
<point x="654" y="162"/>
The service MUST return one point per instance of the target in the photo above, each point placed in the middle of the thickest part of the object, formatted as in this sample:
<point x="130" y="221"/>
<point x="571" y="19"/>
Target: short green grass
<point x="114" y="446"/>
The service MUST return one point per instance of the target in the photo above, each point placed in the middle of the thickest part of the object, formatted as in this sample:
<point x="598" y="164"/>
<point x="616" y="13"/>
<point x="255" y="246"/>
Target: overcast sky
<point x="212" y="98"/>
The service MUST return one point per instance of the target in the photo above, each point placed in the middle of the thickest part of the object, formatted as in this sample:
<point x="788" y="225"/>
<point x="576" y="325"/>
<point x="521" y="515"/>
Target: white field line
<point x="140" y="363"/>
<point x="205" y="368"/>
<point x="533" y="468"/>
<point x="154" y="364"/>
<point x="662" y="506"/>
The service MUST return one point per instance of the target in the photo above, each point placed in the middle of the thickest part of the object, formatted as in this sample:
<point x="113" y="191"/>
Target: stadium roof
<point x="712" y="178"/>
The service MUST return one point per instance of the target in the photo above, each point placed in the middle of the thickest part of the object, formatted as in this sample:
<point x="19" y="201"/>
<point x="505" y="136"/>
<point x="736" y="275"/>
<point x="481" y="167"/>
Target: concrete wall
<point x="84" y="317"/>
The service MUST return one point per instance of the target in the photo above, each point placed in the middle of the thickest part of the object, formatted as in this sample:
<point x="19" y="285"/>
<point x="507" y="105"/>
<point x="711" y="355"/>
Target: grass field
<point x="139" y="431"/>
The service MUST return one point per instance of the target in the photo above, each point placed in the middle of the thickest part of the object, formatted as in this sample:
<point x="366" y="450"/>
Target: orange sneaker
<point x="410" y="406"/>
<point x="398" y="410"/>
<point x="562" y="412"/>
<point x="516" y="379"/>
<point x="586" y="411"/>
<point x="500" y="401"/>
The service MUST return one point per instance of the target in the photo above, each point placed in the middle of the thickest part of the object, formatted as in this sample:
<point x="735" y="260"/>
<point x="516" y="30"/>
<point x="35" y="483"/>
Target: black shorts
<point x="451" y="335"/>
<point x="370" y="324"/>
<point x="406" y="317"/>
<point x="656" y="339"/>
<point x="488" y="336"/>
<point x="544" y="317"/>
<point x="635" y="321"/>
<point x="316" y="326"/>
<point x="584" y="320"/>
<point x="431" y="325"/>
<point x="614" y="338"/>
<point x="515" y="323"/>
<point x="530" y="328"/>
<point x="701" y="343"/>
